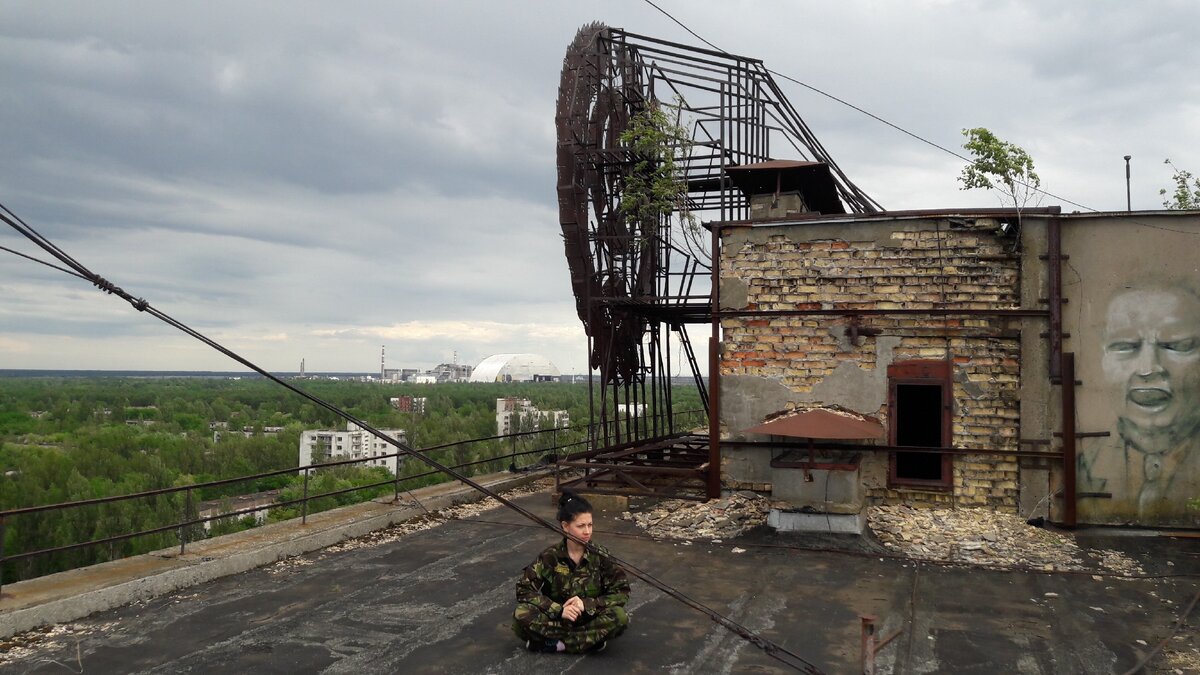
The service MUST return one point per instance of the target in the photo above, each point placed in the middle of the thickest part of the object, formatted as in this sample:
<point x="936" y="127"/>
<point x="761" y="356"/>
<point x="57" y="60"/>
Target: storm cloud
<point x="309" y="180"/>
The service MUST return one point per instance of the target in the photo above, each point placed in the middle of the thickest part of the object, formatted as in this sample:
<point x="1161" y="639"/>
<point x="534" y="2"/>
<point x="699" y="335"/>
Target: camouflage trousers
<point x="531" y="623"/>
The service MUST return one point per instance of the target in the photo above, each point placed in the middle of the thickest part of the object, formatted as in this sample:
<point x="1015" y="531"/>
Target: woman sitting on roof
<point x="572" y="598"/>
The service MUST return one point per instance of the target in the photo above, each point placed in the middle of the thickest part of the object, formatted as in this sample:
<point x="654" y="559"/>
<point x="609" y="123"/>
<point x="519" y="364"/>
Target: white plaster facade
<point x="528" y="416"/>
<point x="353" y="443"/>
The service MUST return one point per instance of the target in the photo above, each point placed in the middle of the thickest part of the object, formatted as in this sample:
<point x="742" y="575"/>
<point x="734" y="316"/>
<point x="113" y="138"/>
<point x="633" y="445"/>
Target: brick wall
<point x="887" y="265"/>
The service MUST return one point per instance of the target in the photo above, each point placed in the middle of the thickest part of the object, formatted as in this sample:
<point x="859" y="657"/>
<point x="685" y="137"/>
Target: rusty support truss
<point x="637" y="280"/>
<point x="676" y="467"/>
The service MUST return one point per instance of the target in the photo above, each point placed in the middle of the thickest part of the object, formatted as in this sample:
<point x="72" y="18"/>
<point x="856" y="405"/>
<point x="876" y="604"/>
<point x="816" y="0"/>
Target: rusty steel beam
<point x="672" y="494"/>
<point x="1068" y="439"/>
<point x="621" y="446"/>
<point x="614" y="477"/>
<point x="870" y="644"/>
<point x="1054" y="258"/>
<point x="656" y="454"/>
<point x="638" y="456"/>
<point x="634" y="468"/>
<point x="894" y="448"/>
<point x="817" y="465"/>
<point x="872" y="311"/>
<point x="671" y="460"/>
<point x="713" y="490"/>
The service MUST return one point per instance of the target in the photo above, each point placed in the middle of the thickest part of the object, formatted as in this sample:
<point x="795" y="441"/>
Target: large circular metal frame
<point x="635" y="288"/>
<point x="610" y="259"/>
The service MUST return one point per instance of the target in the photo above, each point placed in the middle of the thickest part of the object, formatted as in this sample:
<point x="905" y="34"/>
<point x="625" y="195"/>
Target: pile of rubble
<point x="1115" y="561"/>
<point x="1180" y="659"/>
<point x="978" y="537"/>
<point x="717" y="519"/>
<point x="24" y="646"/>
<point x="988" y="539"/>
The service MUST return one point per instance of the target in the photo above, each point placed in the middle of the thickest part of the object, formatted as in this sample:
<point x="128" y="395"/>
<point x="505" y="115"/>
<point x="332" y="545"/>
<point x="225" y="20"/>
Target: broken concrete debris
<point x="988" y="539"/>
<point x="717" y="520"/>
<point x="981" y="537"/>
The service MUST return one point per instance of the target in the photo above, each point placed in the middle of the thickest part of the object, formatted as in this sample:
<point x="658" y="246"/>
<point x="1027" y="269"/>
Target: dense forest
<point x="71" y="439"/>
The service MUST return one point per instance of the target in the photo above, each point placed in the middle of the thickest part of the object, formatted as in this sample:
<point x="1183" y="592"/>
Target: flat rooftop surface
<point x="440" y="601"/>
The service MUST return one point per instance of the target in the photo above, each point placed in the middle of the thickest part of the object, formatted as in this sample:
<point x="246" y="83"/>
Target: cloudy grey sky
<point x="315" y="180"/>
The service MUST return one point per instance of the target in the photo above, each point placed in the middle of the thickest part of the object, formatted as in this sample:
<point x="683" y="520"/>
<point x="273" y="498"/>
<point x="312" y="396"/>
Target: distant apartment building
<point x="412" y="404"/>
<point x="219" y="430"/>
<point x="631" y="409"/>
<point x="519" y="414"/>
<point x="355" y="442"/>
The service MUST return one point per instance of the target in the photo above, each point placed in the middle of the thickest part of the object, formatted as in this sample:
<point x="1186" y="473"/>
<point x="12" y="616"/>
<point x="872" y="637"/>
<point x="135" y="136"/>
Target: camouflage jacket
<point x="554" y="578"/>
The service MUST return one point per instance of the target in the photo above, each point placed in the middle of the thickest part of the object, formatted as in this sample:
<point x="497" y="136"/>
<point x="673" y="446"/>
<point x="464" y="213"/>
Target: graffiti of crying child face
<point x="1152" y="365"/>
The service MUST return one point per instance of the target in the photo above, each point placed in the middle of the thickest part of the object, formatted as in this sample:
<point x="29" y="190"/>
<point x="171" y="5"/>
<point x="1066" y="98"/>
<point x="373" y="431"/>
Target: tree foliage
<point x="70" y="439"/>
<point x="1001" y="166"/>
<point x="654" y="188"/>
<point x="1186" y="196"/>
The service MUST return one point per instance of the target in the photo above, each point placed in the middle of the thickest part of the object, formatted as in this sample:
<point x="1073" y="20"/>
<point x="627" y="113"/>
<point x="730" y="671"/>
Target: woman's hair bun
<point x="570" y="505"/>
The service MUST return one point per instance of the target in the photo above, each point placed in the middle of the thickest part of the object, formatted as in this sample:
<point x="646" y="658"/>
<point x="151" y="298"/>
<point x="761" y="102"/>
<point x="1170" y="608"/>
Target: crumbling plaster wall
<point x="1040" y="402"/>
<point x="771" y="363"/>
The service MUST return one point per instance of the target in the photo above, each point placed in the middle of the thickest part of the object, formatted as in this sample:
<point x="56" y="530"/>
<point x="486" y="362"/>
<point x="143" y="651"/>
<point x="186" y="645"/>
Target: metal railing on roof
<point x="189" y="526"/>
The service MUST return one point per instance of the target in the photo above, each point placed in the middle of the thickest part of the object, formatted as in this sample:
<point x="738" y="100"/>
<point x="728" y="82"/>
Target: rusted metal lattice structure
<point x="638" y="285"/>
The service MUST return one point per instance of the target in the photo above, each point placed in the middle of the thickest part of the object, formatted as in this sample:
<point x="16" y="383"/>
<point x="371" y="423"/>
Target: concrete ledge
<point x="617" y="503"/>
<point x="797" y="521"/>
<point x="74" y="594"/>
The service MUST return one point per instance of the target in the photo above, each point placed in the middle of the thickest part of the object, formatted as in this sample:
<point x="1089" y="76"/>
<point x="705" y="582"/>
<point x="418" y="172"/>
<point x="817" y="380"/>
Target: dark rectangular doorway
<point x="919" y="417"/>
<point x="919" y="424"/>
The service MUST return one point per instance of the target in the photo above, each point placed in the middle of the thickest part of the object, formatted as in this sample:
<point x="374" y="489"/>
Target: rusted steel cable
<point x="1179" y="623"/>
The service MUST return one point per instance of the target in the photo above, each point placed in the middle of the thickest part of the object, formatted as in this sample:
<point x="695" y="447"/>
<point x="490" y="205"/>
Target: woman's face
<point x="581" y="527"/>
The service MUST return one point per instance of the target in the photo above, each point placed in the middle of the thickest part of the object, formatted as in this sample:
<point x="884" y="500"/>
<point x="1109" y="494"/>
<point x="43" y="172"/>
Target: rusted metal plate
<point x="799" y="459"/>
<point x="811" y="179"/>
<point x="822" y="423"/>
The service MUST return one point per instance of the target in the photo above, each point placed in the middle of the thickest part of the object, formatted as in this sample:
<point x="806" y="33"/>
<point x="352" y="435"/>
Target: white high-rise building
<point x="321" y="446"/>
<point x="519" y="414"/>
